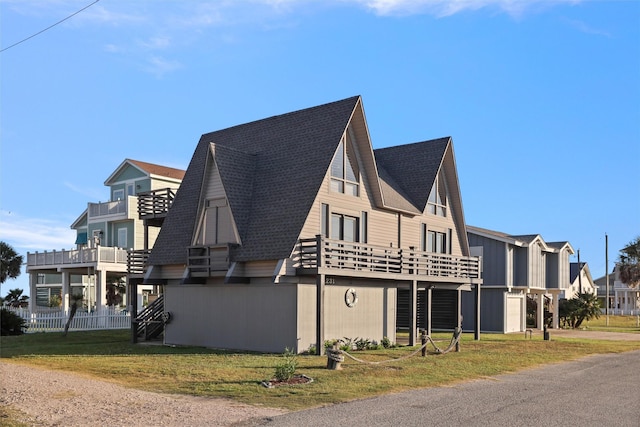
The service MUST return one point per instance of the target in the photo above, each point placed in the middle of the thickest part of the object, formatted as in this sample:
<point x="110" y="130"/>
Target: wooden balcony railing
<point x="328" y="254"/>
<point x="103" y="254"/>
<point x="206" y="261"/>
<point x="137" y="261"/>
<point x="156" y="203"/>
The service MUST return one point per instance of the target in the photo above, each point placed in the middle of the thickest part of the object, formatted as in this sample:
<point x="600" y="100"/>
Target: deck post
<point x="133" y="295"/>
<point x="320" y="278"/>
<point x="476" y="311"/>
<point x="413" y="310"/>
<point x="428" y="308"/>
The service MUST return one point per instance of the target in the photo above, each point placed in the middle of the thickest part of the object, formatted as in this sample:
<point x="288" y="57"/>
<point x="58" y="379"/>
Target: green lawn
<point x="109" y="355"/>
<point x="616" y="324"/>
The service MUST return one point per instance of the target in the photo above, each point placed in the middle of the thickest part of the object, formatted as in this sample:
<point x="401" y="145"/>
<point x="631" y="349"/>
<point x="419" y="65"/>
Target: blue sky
<point x="542" y="99"/>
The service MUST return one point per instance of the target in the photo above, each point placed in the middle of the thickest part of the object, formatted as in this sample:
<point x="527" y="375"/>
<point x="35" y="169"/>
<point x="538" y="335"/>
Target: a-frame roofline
<point x="290" y="153"/>
<point x="83" y="216"/>
<point x="149" y="169"/>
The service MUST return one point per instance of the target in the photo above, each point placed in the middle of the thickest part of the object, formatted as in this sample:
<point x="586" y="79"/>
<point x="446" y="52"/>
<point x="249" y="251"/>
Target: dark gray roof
<point x="574" y="269"/>
<point x="288" y="156"/>
<point x="413" y="167"/>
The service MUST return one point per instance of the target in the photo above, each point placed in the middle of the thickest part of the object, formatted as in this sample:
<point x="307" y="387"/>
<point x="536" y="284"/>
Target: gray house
<point x="292" y="230"/>
<point x="517" y="267"/>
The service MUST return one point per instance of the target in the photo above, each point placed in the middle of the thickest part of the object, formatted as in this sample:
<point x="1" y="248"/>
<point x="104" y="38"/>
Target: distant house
<point x="517" y="267"/>
<point x="580" y="281"/>
<point x="106" y="232"/>
<point x="292" y="230"/>
<point x="623" y="300"/>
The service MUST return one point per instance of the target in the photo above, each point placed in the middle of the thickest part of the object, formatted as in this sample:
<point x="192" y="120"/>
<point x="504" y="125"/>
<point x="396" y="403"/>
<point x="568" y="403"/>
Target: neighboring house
<point x="517" y="267"/>
<point x="624" y="300"/>
<point x="105" y="233"/>
<point x="292" y="230"/>
<point x="580" y="281"/>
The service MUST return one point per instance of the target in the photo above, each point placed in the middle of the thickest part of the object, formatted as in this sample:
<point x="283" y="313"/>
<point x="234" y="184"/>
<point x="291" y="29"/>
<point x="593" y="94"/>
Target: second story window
<point x="345" y="174"/>
<point x="437" y="201"/>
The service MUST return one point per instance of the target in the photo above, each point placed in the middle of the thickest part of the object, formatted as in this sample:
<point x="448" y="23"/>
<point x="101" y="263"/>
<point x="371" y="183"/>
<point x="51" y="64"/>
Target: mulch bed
<point x="295" y="380"/>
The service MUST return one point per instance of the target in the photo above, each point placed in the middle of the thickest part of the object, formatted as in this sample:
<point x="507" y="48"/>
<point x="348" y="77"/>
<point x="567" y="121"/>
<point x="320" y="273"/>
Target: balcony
<point x="77" y="257"/>
<point x="154" y="205"/>
<point x="326" y="256"/>
<point x="208" y="261"/>
<point x="137" y="261"/>
<point x="109" y="210"/>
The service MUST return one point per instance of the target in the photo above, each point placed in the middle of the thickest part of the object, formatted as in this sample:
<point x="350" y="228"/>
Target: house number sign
<point x="350" y="297"/>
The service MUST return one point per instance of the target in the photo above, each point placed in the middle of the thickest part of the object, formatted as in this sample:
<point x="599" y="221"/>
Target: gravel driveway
<point x="54" y="398"/>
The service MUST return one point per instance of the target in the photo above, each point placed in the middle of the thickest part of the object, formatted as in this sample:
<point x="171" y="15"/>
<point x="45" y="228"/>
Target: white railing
<point x="107" y="318"/>
<point x="78" y="256"/>
<point x="107" y="208"/>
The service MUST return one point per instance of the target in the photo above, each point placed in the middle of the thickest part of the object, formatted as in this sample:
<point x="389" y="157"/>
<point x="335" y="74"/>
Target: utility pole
<point x="579" y="272"/>
<point x="606" y="275"/>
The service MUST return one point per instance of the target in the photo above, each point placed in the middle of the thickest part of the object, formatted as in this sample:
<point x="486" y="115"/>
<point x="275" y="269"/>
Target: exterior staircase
<point x="150" y="321"/>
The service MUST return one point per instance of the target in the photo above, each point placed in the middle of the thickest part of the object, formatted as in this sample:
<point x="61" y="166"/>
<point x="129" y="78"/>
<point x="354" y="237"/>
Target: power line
<point x="49" y="27"/>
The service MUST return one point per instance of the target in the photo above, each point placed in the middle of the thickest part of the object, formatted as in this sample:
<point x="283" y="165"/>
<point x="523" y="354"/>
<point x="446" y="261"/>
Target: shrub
<point x="286" y="369"/>
<point x="386" y="342"/>
<point x="11" y="323"/>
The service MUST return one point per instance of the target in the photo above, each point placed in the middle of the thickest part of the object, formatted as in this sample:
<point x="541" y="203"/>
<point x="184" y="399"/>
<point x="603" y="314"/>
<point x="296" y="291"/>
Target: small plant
<point x="311" y="350"/>
<point x="386" y="342"/>
<point x="346" y="344"/>
<point x="362" y="344"/>
<point x="330" y="343"/>
<point x="286" y="369"/>
<point x="55" y="301"/>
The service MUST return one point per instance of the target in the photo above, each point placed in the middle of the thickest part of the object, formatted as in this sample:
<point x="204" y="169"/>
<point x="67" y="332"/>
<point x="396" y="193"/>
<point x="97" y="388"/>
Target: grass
<point x="109" y="356"/>
<point x="616" y="324"/>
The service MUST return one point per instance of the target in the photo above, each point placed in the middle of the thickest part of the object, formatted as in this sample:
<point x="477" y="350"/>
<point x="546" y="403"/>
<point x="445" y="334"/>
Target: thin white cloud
<point x="91" y="193"/>
<point x="160" y="66"/>
<point x="35" y="234"/>
<point x="450" y="7"/>
<point x="585" y="28"/>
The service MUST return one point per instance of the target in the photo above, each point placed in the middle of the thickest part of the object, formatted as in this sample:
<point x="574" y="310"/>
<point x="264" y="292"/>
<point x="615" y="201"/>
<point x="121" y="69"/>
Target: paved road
<point x="601" y="390"/>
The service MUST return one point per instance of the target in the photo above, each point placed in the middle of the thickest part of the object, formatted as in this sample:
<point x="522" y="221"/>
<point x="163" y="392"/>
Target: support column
<point x="459" y="308"/>
<point x="429" y="299"/>
<point x="476" y="311"/>
<point x="33" y="280"/>
<point x="320" y="280"/>
<point x="540" y="312"/>
<point x="66" y="290"/>
<point x="413" y="313"/>
<point x="101" y="290"/>
<point x="556" y="311"/>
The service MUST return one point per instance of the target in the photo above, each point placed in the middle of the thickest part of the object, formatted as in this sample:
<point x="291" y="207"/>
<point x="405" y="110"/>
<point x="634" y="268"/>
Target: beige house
<point x="292" y="230"/>
<point x="580" y="281"/>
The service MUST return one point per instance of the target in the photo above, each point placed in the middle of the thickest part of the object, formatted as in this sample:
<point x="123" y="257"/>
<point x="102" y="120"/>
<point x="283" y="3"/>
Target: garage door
<point x="514" y="314"/>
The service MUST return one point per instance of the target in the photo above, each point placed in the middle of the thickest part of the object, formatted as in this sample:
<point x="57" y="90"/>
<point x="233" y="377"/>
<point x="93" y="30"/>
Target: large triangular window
<point x="345" y="174"/>
<point x="437" y="202"/>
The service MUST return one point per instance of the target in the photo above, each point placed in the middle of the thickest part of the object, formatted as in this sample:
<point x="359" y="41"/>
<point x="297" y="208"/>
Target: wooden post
<point x="413" y="312"/>
<point x="133" y="294"/>
<point x="424" y="342"/>
<point x="477" y="311"/>
<point x="320" y="278"/>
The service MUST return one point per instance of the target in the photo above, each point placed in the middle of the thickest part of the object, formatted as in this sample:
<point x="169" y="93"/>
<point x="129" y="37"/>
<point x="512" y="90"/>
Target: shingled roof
<point x="272" y="170"/>
<point x="273" y="166"/>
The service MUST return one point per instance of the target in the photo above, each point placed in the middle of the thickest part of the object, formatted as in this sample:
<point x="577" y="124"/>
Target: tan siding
<point x="203" y="315"/>
<point x="306" y="316"/>
<point x="260" y="268"/>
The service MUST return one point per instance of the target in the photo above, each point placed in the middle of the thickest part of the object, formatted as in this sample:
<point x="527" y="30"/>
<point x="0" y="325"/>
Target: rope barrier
<point x="338" y="355"/>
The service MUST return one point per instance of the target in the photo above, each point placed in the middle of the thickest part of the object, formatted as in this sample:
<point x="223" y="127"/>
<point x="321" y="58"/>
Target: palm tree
<point x="629" y="264"/>
<point x="15" y="298"/>
<point x="587" y="307"/>
<point x="11" y="262"/>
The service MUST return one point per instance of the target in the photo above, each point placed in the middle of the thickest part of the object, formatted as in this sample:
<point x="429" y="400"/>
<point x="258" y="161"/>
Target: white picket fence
<point x="108" y="318"/>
